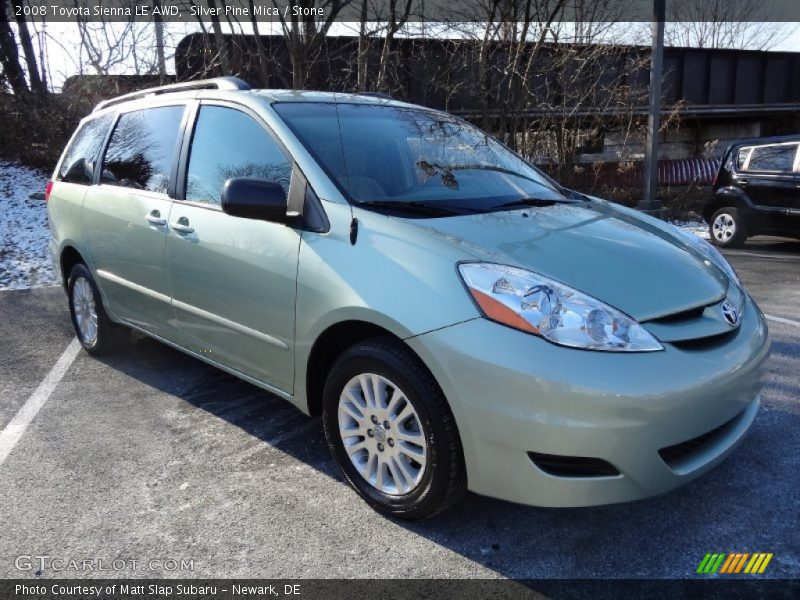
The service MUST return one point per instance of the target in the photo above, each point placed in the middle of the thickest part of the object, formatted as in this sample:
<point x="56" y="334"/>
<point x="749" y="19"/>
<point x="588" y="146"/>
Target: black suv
<point x="756" y="191"/>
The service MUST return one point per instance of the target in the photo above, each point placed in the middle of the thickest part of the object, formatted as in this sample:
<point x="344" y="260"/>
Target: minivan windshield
<point x="414" y="159"/>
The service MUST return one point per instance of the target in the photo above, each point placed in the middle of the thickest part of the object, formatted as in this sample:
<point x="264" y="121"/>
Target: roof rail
<point x="218" y="83"/>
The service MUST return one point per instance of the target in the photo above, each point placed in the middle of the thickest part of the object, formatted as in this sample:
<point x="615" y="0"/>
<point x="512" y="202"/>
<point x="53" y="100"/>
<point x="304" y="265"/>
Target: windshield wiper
<point x="534" y="202"/>
<point x="432" y="168"/>
<point x="414" y="207"/>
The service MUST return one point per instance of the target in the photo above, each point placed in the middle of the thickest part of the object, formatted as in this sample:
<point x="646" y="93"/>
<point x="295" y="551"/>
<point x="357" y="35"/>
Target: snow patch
<point x="24" y="234"/>
<point x="698" y="228"/>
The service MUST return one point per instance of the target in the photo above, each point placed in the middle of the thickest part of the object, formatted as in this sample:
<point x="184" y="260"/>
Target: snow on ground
<point x="698" y="228"/>
<point x="24" y="260"/>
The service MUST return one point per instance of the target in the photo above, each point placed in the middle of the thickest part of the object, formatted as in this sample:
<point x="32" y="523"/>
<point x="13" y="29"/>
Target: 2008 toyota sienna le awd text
<point x="458" y="319"/>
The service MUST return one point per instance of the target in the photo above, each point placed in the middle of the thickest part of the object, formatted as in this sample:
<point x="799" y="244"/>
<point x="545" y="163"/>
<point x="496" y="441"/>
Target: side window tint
<point x="78" y="163"/>
<point x="227" y="143"/>
<point x="141" y="149"/>
<point x="772" y="158"/>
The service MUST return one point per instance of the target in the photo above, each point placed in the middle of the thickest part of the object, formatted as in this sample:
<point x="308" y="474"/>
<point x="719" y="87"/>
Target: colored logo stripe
<point x="734" y="563"/>
<point x="710" y="563"/>
<point x="758" y="563"/>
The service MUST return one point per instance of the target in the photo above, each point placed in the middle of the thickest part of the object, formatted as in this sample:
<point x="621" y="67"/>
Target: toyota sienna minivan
<point x="459" y="320"/>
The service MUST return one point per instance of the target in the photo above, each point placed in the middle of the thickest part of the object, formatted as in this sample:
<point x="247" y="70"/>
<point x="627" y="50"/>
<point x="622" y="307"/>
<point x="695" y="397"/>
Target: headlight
<point x="711" y="253"/>
<point x="538" y="305"/>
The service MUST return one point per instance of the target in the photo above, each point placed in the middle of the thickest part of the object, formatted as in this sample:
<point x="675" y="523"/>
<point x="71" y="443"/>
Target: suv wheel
<point x="96" y="332"/>
<point x="391" y="431"/>
<point x="727" y="228"/>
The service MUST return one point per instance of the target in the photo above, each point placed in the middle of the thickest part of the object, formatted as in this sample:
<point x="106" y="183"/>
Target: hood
<point x="633" y="263"/>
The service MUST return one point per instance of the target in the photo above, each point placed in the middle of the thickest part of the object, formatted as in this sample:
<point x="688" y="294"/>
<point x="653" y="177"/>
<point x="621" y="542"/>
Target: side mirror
<point x="254" y="198"/>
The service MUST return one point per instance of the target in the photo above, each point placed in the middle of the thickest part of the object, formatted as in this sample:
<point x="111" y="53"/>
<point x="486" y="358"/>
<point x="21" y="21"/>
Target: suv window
<point x="141" y="149"/>
<point x="227" y="143"/>
<point x="741" y="157"/>
<point x="78" y="163"/>
<point x="772" y="158"/>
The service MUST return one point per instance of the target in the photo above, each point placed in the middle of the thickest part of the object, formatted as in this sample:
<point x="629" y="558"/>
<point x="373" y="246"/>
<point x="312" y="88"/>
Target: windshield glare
<point x="389" y="153"/>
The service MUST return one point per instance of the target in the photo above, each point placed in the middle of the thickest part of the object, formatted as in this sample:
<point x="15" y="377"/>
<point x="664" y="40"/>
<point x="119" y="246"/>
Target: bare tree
<point x="304" y="36"/>
<point x="34" y="78"/>
<point x="262" y="55"/>
<point x="219" y="40"/>
<point x="740" y="24"/>
<point x="9" y="55"/>
<point x="397" y="18"/>
<point x="363" y="47"/>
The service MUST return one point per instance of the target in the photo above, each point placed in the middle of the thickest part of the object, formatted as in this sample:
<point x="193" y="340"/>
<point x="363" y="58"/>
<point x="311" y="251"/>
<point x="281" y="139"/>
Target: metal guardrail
<point x="671" y="172"/>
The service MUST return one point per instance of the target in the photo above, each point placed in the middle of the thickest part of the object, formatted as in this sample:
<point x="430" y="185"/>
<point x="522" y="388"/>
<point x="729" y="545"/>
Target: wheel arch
<point x="69" y="257"/>
<point x="726" y="197"/>
<point x="334" y="340"/>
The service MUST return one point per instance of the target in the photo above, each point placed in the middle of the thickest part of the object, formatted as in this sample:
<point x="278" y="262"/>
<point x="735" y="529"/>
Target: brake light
<point x="47" y="189"/>
<point x="714" y="181"/>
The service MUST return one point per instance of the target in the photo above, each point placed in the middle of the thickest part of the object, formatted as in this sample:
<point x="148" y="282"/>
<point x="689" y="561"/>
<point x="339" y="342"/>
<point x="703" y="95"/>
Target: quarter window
<point x="78" y="163"/>
<point x="227" y="143"/>
<point x="141" y="149"/>
<point x="773" y="158"/>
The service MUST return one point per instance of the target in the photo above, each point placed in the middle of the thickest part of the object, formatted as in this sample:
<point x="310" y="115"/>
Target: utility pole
<point x="650" y="203"/>
<point x="158" y="22"/>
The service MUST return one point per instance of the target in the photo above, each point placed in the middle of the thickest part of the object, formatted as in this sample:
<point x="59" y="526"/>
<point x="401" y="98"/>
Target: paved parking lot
<point x="151" y="456"/>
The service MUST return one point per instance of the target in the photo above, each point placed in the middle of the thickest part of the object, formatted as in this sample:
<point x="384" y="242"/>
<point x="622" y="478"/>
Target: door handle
<point x="742" y="182"/>
<point x="155" y="218"/>
<point x="182" y="226"/>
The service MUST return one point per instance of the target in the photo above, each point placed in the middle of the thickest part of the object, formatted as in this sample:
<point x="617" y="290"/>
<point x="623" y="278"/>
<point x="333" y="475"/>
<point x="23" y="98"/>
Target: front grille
<point x="706" y="343"/>
<point x="686" y="315"/>
<point x="679" y="453"/>
<point x="573" y="466"/>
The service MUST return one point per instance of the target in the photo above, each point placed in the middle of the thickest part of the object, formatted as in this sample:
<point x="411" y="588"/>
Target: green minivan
<point x="458" y="319"/>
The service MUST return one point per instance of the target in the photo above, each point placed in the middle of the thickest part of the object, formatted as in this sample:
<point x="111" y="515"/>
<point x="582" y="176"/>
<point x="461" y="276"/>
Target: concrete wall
<point x="689" y="140"/>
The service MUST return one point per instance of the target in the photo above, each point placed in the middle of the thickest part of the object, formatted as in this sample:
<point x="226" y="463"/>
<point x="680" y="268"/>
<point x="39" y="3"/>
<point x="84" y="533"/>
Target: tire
<point x="85" y="303"/>
<point x="727" y="228"/>
<point x="407" y="489"/>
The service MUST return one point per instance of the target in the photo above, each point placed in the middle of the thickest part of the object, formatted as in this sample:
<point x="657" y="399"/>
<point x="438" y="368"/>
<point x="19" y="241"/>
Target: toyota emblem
<point x="730" y="314"/>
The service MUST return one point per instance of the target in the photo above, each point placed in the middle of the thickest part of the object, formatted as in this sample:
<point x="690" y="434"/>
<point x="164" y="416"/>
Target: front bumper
<point x="513" y="393"/>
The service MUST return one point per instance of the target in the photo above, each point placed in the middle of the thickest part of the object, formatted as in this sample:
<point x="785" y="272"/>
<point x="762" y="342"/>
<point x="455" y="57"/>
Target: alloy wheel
<point x="85" y="310"/>
<point x="382" y="434"/>
<point x="723" y="228"/>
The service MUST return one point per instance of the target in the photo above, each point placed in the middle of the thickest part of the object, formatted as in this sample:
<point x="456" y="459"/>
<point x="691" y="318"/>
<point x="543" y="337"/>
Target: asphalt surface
<point x="152" y="455"/>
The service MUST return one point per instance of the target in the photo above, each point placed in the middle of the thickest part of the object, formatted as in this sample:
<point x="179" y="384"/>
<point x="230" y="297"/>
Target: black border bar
<point x="395" y="589"/>
<point x="430" y="11"/>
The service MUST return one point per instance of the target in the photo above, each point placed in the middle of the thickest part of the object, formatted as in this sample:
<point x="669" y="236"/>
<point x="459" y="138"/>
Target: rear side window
<point x="141" y="149"/>
<point x="78" y="163"/>
<point x="772" y="158"/>
<point x="227" y="143"/>
<point x="741" y="156"/>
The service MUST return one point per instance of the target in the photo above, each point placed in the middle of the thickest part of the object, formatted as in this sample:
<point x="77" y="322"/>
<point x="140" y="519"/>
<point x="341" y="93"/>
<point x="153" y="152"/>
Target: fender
<point x="728" y="196"/>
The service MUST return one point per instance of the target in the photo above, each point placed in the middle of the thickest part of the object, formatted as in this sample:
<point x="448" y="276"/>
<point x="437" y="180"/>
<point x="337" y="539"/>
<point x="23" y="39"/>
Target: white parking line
<point x="14" y="430"/>
<point x="771" y="256"/>
<point x="782" y="320"/>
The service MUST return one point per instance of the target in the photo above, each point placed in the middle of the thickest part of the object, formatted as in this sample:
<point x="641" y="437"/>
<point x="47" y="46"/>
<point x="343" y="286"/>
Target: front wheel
<point x="391" y="431"/>
<point x="727" y="228"/>
<point x="96" y="332"/>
